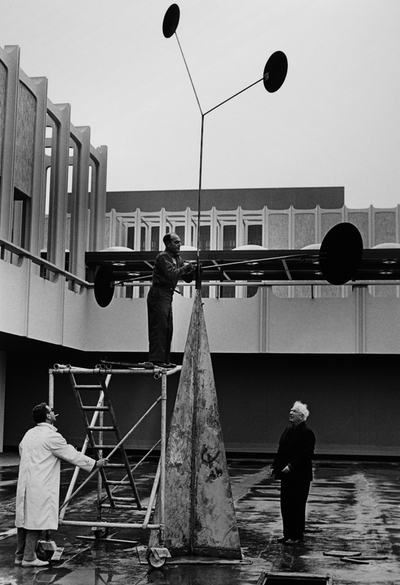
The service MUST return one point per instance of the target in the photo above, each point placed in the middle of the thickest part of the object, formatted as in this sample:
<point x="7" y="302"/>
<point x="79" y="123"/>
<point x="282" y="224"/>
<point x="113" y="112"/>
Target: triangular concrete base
<point x="199" y="512"/>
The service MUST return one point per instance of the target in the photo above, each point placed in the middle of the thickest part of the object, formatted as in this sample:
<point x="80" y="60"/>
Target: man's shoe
<point x="282" y="539"/>
<point x="147" y="365"/>
<point x="292" y="541"/>
<point x="164" y="365"/>
<point x="35" y="563"/>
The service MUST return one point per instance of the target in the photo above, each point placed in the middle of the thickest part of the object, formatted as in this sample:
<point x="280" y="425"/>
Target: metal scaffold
<point x="98" y="416"/>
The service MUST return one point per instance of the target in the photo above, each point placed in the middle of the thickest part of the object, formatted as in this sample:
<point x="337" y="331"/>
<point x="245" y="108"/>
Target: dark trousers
<point x="294" y="494"/>
<point x="160" y="326"/>
<point x="26" y="544"/>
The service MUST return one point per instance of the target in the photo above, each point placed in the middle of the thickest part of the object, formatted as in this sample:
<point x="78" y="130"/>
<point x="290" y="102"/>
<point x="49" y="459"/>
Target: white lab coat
<point x="38" y="486"/>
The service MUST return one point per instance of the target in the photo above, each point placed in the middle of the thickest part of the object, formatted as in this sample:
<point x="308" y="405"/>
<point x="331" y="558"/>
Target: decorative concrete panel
<point x="361" y="219"/>
<point x="304" y="229"/>
<point x="25" y="140"/>
<point x="328" y="220"/>
<point x="278" y="231"/>
<point x="385" y="227"/>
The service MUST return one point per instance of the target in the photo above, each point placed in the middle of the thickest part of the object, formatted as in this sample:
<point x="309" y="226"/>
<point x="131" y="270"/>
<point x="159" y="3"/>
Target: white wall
<point x="51" y="312"/>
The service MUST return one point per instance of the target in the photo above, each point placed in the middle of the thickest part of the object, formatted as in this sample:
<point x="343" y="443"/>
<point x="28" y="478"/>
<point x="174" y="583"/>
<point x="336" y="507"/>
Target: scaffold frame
<point x="158" y="486"/>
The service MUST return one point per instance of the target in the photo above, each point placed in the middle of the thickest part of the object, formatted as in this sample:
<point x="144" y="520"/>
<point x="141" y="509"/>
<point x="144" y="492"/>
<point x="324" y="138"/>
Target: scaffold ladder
<point x="103" y="421"/>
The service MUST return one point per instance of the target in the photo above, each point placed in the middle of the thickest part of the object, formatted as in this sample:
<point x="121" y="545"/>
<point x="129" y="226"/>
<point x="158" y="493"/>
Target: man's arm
<point x="61" y="449"/>
<point x="171" y="271"/>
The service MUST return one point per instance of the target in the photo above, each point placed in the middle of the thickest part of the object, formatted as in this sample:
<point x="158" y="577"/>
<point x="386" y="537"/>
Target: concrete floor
<point x="353" y="507"/>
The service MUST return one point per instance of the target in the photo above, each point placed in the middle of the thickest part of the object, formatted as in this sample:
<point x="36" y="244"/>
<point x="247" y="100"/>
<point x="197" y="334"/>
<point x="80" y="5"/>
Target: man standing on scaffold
<point x="168" y="269"/>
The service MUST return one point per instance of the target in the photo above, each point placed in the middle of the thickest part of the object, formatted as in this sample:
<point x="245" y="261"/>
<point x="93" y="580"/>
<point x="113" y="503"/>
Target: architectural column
<point x="80" y="203"/>
<point x="39" y="173"/>
<point x="3" y="362"/>
<point x="10" y="59"/>
<point x="59" y="185"/>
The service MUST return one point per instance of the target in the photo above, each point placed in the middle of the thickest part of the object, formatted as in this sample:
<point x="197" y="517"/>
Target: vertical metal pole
<point x="100" y="454"/>
<point x="83" y="451"/>
<point x="162" y="454"/>
<point x="51" y="389"/>
<point x="198" y="275"/>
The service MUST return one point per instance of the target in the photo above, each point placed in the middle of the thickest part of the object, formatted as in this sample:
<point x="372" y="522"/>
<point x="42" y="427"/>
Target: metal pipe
<point x="133" y="428"/>
<point x="163" y="456"/>
<point x="51" y="389"/>
<point x="71" y="486"/>
<point x="61" y="369"/>
<point x="281" y="282"/>
<point x="108" y="524"/>
<point x="152" y="496"/>
<point x="198" y="267"/>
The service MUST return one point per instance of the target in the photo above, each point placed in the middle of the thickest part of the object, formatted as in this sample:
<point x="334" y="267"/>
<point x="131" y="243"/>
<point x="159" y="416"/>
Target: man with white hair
<point x="293" y="466"/>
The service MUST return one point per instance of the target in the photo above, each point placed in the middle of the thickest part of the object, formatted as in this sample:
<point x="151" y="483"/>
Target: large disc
<point x="275" y="71"/>
<point x="171" y="21"/>
<point x="341" y="253"/>
<point x="104" y="286"/>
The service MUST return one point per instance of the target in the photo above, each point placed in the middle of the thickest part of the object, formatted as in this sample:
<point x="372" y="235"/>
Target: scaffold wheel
<point x="101" y="532"/>
<point x="156" y="561"/>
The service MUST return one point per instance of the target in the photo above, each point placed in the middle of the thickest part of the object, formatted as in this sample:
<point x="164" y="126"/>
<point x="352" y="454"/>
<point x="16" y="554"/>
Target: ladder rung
<point x="121" y="506"/>
<point x="104" y="447"/>
<point x="100" y="428"/>
<point x="108" y="423"/>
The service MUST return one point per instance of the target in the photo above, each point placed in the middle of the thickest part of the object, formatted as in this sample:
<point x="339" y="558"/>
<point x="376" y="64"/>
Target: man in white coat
<point x="37" y="503"/>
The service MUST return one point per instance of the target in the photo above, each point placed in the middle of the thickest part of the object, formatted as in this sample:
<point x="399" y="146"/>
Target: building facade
<point x="336" y="348"/>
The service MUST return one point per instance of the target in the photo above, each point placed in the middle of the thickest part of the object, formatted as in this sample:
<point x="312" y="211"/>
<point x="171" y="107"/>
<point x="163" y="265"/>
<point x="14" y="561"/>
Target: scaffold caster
<point x="157" y="556"/>
<point x="46" y="549"/>
<point x="100" y="532"/>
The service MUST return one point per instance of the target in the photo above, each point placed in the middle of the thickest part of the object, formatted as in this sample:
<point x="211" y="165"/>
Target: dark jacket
<point x="296" y="448"/>
<point x="168" y="269"/>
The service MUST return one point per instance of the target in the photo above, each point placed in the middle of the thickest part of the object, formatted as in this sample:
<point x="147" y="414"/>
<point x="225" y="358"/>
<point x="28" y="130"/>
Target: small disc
<point x="171" y="21"/>
<point x="275" y="71"/>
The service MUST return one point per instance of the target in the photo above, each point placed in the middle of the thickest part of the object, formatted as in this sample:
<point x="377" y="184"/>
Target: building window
<point x="155" y="238"/>
<point x="254" y="234"/>
<point x="20" y="234"/>
<point x="229" y="237"/>
<point x="180" y="232"/>
<point x="205" y="240"/>
<point x="130" y="238"/>
<point x="142" y="239"/>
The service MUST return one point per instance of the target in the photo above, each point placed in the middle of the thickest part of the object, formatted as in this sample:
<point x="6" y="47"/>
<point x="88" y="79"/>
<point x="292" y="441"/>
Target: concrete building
<point x="272" y="342"/>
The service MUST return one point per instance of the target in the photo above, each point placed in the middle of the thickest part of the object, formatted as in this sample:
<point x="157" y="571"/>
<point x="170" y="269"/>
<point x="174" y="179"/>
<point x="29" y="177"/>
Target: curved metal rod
<point x="78" y="489"/>
<point x="203" y="115"/>
<point x="215" y="266"/>
<point x="188" y="72"/>
<point x="117" y="282"/>
<point x="303" y="256"/>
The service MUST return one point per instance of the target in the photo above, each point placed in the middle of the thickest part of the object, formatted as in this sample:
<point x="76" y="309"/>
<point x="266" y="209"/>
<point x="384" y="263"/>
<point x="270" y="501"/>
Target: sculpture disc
<point x="103" y="286"/>
<point x="341" y="253"/>
<point x="171" y="21"/>
<point x="275" y="71"/>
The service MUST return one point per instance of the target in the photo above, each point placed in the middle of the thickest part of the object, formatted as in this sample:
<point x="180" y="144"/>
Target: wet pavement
<point x="354" y="508"/>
